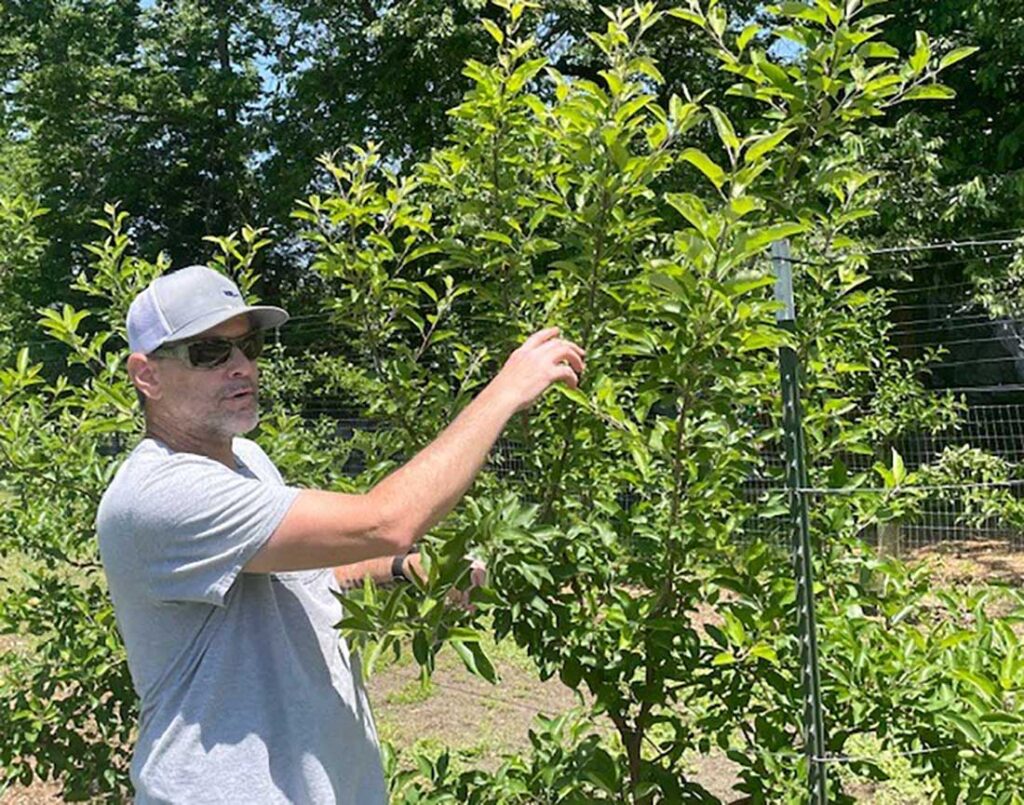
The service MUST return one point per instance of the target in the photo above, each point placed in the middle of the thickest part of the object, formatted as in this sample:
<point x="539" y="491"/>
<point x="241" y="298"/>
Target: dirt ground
<point x="973" y="562"/>
<point x="480" y="722"/>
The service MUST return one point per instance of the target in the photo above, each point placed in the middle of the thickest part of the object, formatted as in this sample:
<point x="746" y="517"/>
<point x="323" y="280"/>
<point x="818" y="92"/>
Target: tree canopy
<point x="202" y="117"/>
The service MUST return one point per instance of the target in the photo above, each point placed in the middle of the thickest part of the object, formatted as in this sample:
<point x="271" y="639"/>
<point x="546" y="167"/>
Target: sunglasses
<point x="208" y="353"/>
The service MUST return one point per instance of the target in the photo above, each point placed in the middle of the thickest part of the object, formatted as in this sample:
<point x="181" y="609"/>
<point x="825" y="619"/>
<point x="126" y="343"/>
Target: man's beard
<point x="236" y="423"/>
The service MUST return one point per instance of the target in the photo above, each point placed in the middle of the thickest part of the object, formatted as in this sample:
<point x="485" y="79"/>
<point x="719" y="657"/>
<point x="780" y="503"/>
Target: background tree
<point x="147" y="106"/>
<point x="203" y="117"/>
<point x="982" y="128"/>
<point x="21" y="245"/>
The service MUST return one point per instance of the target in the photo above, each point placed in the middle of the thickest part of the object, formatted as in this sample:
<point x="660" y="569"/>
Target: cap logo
<point x="230" y="293"/>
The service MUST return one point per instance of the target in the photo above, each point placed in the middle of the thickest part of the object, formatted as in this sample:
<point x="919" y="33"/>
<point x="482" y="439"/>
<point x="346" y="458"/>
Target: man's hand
<point x="477" y="578"/>
<point x="459" y="598"/>
<point x="543" y="359"/>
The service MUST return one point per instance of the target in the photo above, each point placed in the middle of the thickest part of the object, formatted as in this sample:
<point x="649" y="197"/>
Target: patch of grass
<point x="417" y="690"/>
<point x="12" y="568"/>
<point x="485" y="752"/>
<point x="902" y="787"/>
<point x="478" y="723"/>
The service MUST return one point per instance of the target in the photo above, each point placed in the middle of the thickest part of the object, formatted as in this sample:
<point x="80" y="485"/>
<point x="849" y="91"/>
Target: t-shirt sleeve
<point x="197" y="523"/>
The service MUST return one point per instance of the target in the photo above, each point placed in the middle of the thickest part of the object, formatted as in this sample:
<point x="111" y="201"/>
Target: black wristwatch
<point x="398" y="562"/>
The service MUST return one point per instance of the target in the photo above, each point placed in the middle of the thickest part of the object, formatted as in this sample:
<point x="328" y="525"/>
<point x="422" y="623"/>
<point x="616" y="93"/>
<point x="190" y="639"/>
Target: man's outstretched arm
<point x="328" y="529"/>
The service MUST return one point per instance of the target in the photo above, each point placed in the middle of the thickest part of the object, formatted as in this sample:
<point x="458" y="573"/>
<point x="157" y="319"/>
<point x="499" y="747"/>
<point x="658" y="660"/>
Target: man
<point x="222" y="576"/>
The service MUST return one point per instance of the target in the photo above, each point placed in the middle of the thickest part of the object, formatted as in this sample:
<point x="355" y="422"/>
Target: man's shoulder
<point x="245" y="448"/>
<point x="151" y="459"/>
<point x="254" y="457"/>
<point x="153" y="469"/>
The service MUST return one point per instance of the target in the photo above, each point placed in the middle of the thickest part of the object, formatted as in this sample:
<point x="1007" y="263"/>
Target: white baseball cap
<point x="187" y="302"/>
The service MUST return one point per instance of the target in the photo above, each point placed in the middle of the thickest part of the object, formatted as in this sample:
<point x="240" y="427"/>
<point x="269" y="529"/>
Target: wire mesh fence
<point x="964" y="511"/>
<point x="995" y="430"/>
<point x="960" y="304"/>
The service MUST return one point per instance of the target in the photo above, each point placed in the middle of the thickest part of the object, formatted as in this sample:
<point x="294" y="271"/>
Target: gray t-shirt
<point x="248" y="694"/>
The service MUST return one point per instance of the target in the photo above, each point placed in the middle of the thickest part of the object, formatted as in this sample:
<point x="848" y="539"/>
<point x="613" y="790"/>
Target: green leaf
<point x="463" y="634"/>
<point x="932" y="92"/>
<point x="496" y="237"/>
<point x="420" y="650"/>
<point x="603" y="772"/>
<point x="834" y="12"/>
<point x="718" y="19"/>
<point x="725" y="130"/>
<point x="494" y="31"/>
<point x="956" y="55"/>
<point x="646" y="67"/>
<point x="476" y="662"/>
<point x="878" y="50"/>
<point x="775" y="74"/>
<point x="740" y="287"/>
<point x="765" y="144"/>
<point x="525" y="73"/>
<point x="571" y="673"/>
<point x="955" y="640"/>
<point x="423" y="251"/>
<point x="746" y="35"/>
<point x="1009" y="669"/>
<point x="764" y="338"/>
<point x="759" y="239"/>
<point x="922" y="52"/>
<point x="734" y="628"/>
<point x="667" y="283"/>
<point x="1011" y="719"/>
<point x="691" y="208"/>
<point x="765" y="652"/>
<point x="899" y="469"/>
<point x="965" y="725"/>
<point x="983" y="685"/>
<point x="743" y="205"/>
<point x="689" y="16"/>
<point x="575" y="395"/>
<point x="705" y="164"/>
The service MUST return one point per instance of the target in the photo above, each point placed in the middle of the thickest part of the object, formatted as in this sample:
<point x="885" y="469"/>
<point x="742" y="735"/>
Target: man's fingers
<point x="540" y="337"/>
<point x="560" y="344"/>
<point x="564" y="374"/>
<point x="543" y="359"/>
<point x="575" y="360"/>
<point x="568" y="352"/>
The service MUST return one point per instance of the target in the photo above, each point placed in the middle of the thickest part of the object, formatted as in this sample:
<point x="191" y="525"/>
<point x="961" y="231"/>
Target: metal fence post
<point x="796" y="482"/>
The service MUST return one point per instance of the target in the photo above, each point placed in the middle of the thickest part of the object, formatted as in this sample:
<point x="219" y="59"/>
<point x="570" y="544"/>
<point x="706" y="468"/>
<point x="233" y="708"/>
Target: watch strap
<point x="396" y="568"/>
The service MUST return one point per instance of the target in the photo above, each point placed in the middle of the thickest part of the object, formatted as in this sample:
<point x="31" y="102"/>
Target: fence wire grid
<point x="963" y="511"/>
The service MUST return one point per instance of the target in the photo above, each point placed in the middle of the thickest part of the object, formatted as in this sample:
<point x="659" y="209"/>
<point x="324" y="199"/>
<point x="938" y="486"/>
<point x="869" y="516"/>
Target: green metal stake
<point x="796" y="483"/>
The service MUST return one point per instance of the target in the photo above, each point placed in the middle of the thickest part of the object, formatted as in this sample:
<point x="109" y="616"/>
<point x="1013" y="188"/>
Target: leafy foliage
<point x="636" y="218"/>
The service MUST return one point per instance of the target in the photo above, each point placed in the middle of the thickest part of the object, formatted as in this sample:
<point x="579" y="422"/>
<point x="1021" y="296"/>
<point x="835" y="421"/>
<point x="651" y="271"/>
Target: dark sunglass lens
<point x="251" y="345"/>
<point x="212" y="352"/>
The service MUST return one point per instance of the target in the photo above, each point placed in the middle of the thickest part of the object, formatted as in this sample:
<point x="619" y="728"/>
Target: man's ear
<point x="143" y="374"/>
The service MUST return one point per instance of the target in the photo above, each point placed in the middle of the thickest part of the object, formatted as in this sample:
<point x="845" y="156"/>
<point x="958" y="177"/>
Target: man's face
<point x="222" y="401"/>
